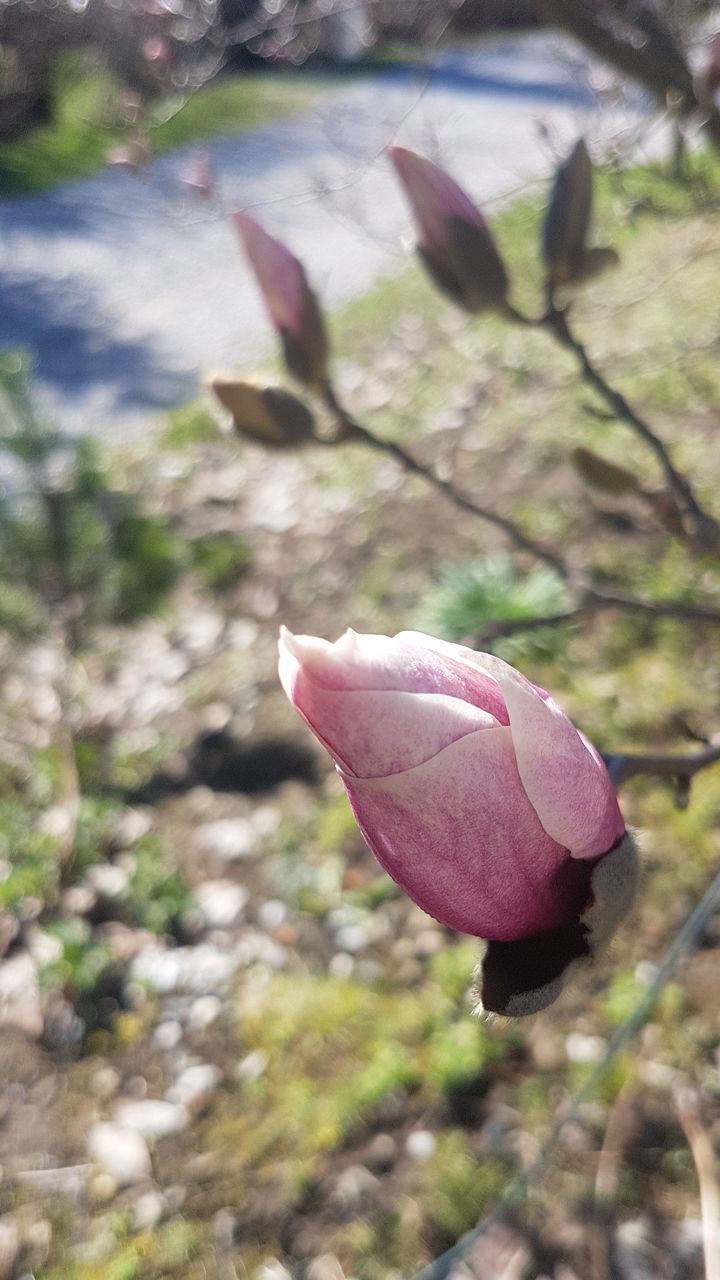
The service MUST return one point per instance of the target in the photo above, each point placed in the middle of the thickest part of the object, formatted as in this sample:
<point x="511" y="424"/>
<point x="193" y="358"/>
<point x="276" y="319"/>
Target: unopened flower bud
<point x="290" y="302"/>
<point x="477" y="795"/>
<point x="453" y="239"/>
<point x="567" y="257"/>
<point x="268" y="415"/>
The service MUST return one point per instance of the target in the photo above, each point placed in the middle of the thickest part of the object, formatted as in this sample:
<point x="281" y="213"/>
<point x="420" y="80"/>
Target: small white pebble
<point x="252" y="1066"/>
<point x="341" y="965"/>
<point x="420" y="1144"/>
<point x="168" y="1035"/>
<point x="581" y="1048"/>
<point x="272" y="914"/>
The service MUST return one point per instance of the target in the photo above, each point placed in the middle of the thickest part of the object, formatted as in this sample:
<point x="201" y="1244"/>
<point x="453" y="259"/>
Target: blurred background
<point x="229" y="1046"/>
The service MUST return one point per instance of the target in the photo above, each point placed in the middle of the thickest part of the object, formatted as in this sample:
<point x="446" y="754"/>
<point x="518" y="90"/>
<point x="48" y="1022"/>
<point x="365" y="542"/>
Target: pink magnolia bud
<point x="453" y="238"/>
<point x="290" y="302"/>
<point x="477" y="795"/>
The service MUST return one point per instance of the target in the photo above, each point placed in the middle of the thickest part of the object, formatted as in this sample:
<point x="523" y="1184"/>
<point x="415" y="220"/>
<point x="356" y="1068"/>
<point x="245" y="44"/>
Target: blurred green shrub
<point x="467" y="597"/>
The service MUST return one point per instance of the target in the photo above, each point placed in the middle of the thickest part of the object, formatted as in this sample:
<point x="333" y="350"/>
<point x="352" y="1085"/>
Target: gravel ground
<point x="127" y="290"/>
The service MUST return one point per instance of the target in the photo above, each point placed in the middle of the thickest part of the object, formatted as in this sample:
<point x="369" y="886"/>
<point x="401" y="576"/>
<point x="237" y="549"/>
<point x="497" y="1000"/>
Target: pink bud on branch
<point x="453" y="239"/>
<point x="291" y="304"/>
<point x="477" y="795"/>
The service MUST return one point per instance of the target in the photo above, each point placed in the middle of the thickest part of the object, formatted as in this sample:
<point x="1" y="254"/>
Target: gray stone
<point x="221" y="902"/>
<point x="153" y="1118"/>
<point x="20" y="1004"/>
<point x="121" y="1152"/>
<point x="194" y="1085"/>
<point x="420" y="1144"/>
<point x="9" y="1246"/>
<point x="199" y="970"/>
<point x="148" y="1210"/>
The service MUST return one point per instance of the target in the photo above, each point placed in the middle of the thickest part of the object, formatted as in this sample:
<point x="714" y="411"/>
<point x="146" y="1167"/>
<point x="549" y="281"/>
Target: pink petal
<point x="565" y="778"/>
<point x="460" y="836"/>
<point x="488" y="663"/>
<point x="381" y="662"/>
<point x="374" y="733"/>
<point x="279" y="274"/>
<point x="434" y="196"/>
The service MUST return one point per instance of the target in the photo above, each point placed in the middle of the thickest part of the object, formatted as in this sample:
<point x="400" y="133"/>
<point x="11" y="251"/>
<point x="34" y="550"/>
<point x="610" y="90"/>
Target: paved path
<point x="126" y="289"/>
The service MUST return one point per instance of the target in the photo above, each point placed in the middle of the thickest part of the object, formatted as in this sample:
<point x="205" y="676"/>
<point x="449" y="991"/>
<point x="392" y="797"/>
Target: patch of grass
<point x="335" y="1049"/>
<point x="188" y="425"/>
<point x="156" y="897"/>
<point x="149" y="1255"/>
<point x="220" y="558"/>
<point x="456" y="1187"/>
<point x="86" y="122"/>
<point x="469" y="596"/>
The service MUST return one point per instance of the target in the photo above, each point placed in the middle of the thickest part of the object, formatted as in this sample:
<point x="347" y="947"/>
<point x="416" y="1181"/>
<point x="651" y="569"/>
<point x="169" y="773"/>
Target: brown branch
<point x="706" y="529"/>
<point x="681" y="767"/>
<point x="590" y="598"/>
<point x="351" y="431"/>
<point x="596" y="600"/>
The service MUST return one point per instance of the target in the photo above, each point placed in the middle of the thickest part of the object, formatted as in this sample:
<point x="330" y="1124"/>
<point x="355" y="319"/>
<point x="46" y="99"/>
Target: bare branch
<point x="350" y="430"/>
<point x="706" y="529"/>
<point x="682" y="767"/>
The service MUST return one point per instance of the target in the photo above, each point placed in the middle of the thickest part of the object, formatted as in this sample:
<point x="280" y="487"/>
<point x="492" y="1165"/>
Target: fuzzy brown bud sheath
<point x="268" y="415"/>
<point x="453" y="239"/>
<point x="290" y="302"/>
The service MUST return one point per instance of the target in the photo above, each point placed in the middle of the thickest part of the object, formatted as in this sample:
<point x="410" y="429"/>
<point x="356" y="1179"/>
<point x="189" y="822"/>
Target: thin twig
<point x="350" y="430"/>
<point x="590" y="597"/>
<point x="706" y="529"/>
<point x="515" y="1194"/>
<point x="682" y="767"/>
<point x="687" y="1105"/>
<point x="598" y="600"/>
<point x="606" y="1182"/>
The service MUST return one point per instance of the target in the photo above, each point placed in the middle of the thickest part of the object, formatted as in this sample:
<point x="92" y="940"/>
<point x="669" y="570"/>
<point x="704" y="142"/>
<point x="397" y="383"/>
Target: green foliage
<point x="221" y="558"/>
<point x="30" y="855"/>
<point x="156" y="897"/>
<point x="188" y="425"/>
<point x="78" y="537"/>
<point x="455" y="1187"/>
<point x="469" y="596"/>
<point x="82" y="960"/>
<point x="86" y="120"/>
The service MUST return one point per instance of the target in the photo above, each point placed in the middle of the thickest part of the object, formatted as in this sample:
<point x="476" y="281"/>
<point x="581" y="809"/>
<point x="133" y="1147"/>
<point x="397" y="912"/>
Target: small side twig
<point x="681" y="767"/>
<point x="597" y="600"/>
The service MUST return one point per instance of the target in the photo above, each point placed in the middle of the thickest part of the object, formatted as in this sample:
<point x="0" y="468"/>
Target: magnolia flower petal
<point x="278" y="272"/>
<point x="459" y="835"/>
<point x="374" y="733"/>
<point x="565" y="778"/>
<point x="488" y="663"/>
<point x="381" y="662"/>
